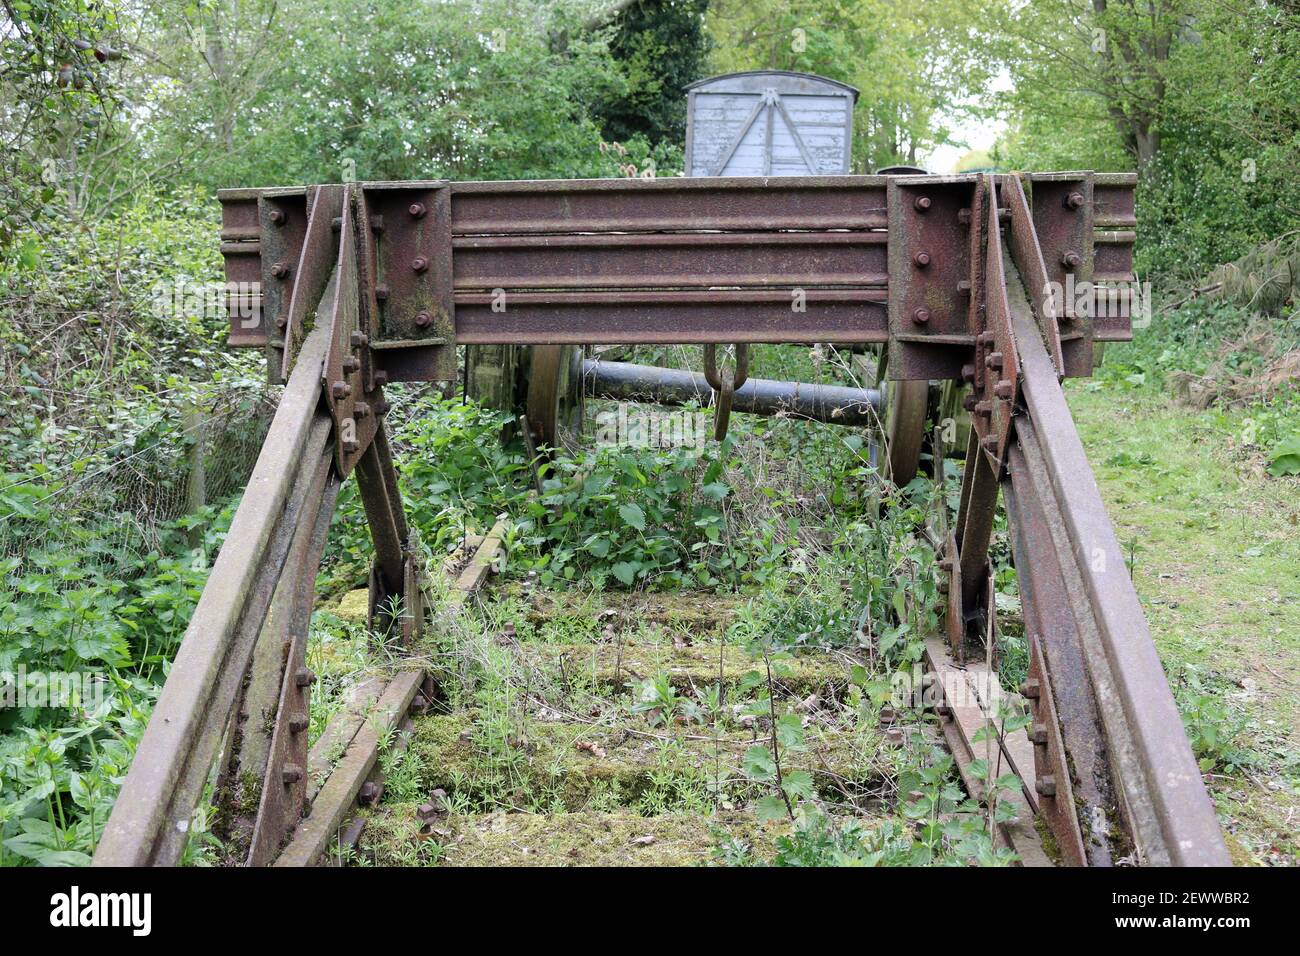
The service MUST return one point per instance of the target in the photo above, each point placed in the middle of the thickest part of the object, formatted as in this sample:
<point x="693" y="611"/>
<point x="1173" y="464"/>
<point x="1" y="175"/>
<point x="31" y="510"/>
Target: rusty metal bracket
<point x="724" y="387"/>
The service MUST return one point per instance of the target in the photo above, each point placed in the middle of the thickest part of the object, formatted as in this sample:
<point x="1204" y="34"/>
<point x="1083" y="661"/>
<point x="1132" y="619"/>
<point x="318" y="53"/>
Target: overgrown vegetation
<point x="119" y="121"/>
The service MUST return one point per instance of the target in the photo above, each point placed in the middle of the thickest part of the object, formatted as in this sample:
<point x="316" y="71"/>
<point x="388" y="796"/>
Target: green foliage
<point x="646" y="518"/>
<point x="918" y="68"/>
<point x="659" y="47"/>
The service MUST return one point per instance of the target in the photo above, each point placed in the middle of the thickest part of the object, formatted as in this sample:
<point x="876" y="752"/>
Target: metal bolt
<point x="303" y="677"/>
<point x="276" y="216"/>
<point x="376" y="223"/>
<point x="968" y="403"/>
<point x="291" y="773"/>
<point x="1039" y="734"/>
<point x="922" y="259"/>
<point x="381" y="292"/>
<point x="1004" y="215"/>
<point x="351" y="364"/>
<point x="381" y="378"/>
<point x="1074" y="200"/>
<point x="993" y="360"/>
<point x="281" y="320"/>
<point x="964" y="286"/>
<point x="298" y="724"/>
<point x="990" y="443"/>
<point x="370" y="792"/>
<point x="921" y="203"/>
<point x="1071" y="260"/>
<point x="1046" y="785"/>
<point x="1004" y="389"/>
<point x="963" y="216"/>
<point x="360" y="410"/>
<point x="279" y="270"/>
<point x="968" y="373"/>
<point x="943" y="585"/>
<point x="422" y="319"/>
<point x="1030" y="688"/>
<point x="350" y="446"/>
<point x="382" y="408"/>
<point x="984" y="409"/>
<point x="419" y="263"/>
<point x="337" y="223"/>
<point x="359" y="340"/>
<point x="921" y="316"/>
<point x="416" y="209"/>
<point x="340" y="390"/>
<point x="945" y="563"/>
<point x="985" y="338"/>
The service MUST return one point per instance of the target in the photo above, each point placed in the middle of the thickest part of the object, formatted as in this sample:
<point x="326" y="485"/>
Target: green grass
<point x="1215" y="553"/>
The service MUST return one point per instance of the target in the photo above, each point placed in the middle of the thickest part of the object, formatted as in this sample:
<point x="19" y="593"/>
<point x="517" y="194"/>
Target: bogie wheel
<point x="555" y="402"/>
<point x="906" y="409"/>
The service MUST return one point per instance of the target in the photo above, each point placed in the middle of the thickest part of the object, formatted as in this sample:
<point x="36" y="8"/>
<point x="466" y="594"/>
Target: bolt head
<point x="298" y="724"/>
<point x="969" y="403"/>
<point x="340" y="390"/>
<point x="943" y="585"/>
<point x="1030" y="688"/>
<point x="1039" y="734"/>
<point x="921" y="203"/>
<point x="361" y="410"/>
<point x="276" y="216"/>
<point x="359" y="340"/>
<point x="963" y="216"/>
<point x="279" y="270"/>
<point x="990" y="443"/>
<point x="1071" y="260"/>
<point x="984" y="409"/>
<point x="968" y="373"/>
<point x="291" y="773"/>
<point x="416" y="209"/>
<point x="1074" y="200"/>
<point x="1046" y="785"/>
<point x="921" y="316"/>
<point x="370" y="792"/>
<point x="350" y="446"/>
<point x="922" y="259"/>
<point x="1004" y="389"/>
<point x="351" y="363"/>
<point x="281" y="320"/>
<point x="381" y="292"/>
<point x="382" y="408"/>
<point x="420" y="263"/>
<point x="381" y="378"/>
<point x="423" y="319"/>
<point x="303" y="677"/>
<point x="993" y="360"/>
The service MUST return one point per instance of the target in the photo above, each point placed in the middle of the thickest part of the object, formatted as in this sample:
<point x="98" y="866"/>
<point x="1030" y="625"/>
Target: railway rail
<point x="350" y="287"/>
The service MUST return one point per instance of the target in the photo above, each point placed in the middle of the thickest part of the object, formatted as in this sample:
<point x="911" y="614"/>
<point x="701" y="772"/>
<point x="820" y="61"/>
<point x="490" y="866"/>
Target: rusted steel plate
<point x="639" y="317"/>
<point x="408" y="236"/>
<point x="334" y="802"/>
<point x="661" y="205"/>
<point x="353" y="409"/>
<point x="671" y="260"/>
<point x="1022" y="242"/>
<point x="1083" y="810"/>
<point x="1164" y="801"/>
<point x="284" y="783"/>
<point x="996" y="355"/>
<point x="969" y="691"/>
<point x="929" y="269"/>
<point x="184" y="732"/>
<point x="309" y="275"/>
